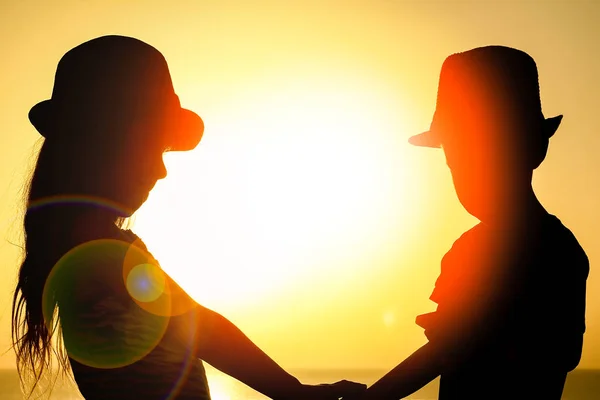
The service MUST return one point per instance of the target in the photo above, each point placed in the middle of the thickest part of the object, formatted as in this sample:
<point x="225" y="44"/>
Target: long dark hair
<point x="49" y="233"/>
<point x="108" y="94"/>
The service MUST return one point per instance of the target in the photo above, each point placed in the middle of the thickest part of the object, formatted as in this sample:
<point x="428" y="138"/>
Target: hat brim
<point x="551" y="125"/>
<point x="188" y="131"/>
<point x="39" y="116"/>
<point x="425" y="139"/>
<point x="184" y="133"/>
<point x="430" y="139"/>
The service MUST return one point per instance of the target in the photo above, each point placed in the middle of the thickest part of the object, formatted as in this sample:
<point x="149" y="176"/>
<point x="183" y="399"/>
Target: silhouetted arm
<point x="410" y="375"/>
<point x="224" y="346"/>
<point x="227" y="348"/>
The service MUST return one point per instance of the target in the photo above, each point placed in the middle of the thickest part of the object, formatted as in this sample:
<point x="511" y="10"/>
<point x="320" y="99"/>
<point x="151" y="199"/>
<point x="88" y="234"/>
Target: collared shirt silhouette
<point x="510" y="314"/>
<point x="513" y="305"/>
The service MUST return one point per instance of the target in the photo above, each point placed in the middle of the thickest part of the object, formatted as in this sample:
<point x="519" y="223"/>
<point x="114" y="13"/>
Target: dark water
<point x="581" y="385"/>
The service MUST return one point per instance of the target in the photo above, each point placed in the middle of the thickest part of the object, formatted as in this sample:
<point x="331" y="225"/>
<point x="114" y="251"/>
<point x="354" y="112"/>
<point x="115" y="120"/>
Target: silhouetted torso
<point x="513" y="305"/>
<point x="105" y="318"/>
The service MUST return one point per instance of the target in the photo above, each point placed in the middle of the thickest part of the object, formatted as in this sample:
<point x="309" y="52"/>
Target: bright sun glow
<point x="297" y="183"/>
<point x="218" y="388"/>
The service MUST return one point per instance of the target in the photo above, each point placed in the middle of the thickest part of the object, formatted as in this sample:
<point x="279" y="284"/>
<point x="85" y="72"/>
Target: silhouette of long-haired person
<point x="89" y="295"/>
<point x="510" y="315"/>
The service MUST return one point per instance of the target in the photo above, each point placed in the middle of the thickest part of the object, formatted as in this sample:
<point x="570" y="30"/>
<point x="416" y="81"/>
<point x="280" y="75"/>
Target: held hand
<point x="357" y="396"/>
<point x="331" y="391"/>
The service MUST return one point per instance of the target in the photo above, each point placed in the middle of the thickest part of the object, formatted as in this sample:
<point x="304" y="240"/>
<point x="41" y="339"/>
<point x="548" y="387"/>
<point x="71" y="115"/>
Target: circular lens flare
<point x="150" y="287"/>
<point x="101" y="323"/>
<point x="146" y="282"/>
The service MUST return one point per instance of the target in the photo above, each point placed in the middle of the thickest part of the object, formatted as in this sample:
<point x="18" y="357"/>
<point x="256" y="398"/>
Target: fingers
<point x="345" y="388"/>
<point x="350" y="385"/>
<point x="332" y="391"/>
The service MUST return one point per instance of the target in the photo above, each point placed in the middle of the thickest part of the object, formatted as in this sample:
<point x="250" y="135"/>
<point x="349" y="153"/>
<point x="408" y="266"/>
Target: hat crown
<point x="112" y="71"/>
<point x="493" y="84"/>
<point x="488" y="89"/>
<point x="116" y="87"/>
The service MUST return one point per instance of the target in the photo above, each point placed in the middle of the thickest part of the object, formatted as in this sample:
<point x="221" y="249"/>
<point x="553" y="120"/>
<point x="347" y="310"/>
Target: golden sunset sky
<point x="304" y="216"/>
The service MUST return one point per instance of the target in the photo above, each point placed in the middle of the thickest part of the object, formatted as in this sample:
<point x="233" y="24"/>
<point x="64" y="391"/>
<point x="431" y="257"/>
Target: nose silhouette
<point x="160" y="171"/>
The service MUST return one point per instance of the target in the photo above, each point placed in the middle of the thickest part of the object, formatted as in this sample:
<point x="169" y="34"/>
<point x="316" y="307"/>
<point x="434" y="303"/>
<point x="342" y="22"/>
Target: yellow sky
<point x="304" y="216"/>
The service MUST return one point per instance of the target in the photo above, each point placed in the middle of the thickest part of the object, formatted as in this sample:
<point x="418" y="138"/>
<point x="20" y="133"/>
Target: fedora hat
<point x="488" y="86"/>
<point x="115" y="80"/>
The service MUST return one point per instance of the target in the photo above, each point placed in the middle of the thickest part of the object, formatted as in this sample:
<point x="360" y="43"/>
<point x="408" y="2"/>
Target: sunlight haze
<point x="304" y="215"/>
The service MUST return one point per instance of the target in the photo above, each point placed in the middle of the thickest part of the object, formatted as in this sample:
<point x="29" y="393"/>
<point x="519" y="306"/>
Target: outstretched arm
<point x="410" y="375"/>
<point x="227" y="348"/>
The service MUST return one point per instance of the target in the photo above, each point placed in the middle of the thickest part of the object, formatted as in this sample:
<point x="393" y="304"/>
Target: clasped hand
<point x="343" y="389"/>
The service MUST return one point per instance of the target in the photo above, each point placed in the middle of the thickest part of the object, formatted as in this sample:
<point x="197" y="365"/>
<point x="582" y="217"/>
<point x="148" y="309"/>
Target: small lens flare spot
<point x="389" y="318"/>
<point x="145" y="282"/>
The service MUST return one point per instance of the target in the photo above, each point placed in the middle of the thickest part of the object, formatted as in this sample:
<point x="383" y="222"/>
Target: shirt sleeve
<point x="101" y="324"/>
<point x="468" y="294"/>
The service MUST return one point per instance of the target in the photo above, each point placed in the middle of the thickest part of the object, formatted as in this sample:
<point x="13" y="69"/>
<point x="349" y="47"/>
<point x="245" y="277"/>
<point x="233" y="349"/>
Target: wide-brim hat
<point x="116" y="80"/>
<point x="493" y="85"/>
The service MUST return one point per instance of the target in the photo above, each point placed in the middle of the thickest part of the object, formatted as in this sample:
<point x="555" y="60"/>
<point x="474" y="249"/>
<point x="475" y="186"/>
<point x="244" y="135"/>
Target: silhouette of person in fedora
<point x="127" y="330"/>
<point x="511" y="295"/>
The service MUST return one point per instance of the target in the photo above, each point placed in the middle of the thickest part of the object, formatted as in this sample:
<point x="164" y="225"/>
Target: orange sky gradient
<point x="304" y="216"/>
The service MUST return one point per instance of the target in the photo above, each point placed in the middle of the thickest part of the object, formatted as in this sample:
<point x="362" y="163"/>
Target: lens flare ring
<point x="101" y="324"/>
<point x="78" y="200"/>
